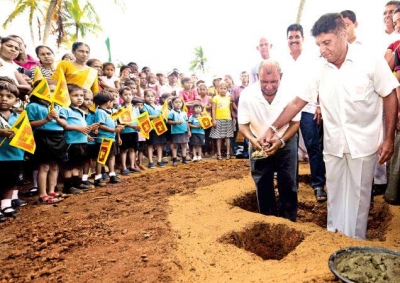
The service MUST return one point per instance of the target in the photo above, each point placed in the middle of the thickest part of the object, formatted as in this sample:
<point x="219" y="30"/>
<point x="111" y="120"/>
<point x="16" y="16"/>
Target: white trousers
<point x="349" y="183"/>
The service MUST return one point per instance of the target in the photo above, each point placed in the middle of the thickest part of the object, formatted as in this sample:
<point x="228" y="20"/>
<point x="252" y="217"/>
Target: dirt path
<point x="161" y="227"/>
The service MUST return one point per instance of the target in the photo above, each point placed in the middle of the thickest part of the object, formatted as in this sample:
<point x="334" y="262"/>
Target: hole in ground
<point x="308" y="211"/>
<point x="266" y="240"/>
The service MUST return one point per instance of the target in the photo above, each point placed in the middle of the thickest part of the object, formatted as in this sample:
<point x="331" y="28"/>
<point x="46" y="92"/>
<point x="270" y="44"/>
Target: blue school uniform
<point x="103" y="117"/>
<point x="90" y="120"/>
<point x="152" y="110"/>
<point x="38" y="111"/>
<point x="195" y="122"/>
<point x="176" y="116"/>
<point x="8" y="152"/>
<point x="74" y="117"/>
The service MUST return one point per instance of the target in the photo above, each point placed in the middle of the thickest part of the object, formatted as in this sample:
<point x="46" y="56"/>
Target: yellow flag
<point x="144" y="124"/>
<point x="23" y="138"/>
<point x="104" y="151"/>
<point x="126" y="116"/>
<point x="61" y="94"/>
<point x="205" y="121"/>
<point x="42" y="91"/>
<point x="93" y="107"/>
<point x="165" y="110"/>
<point x="159" y="125"/>
<point x="184" y="108"/>
<point x="37" y="75"/>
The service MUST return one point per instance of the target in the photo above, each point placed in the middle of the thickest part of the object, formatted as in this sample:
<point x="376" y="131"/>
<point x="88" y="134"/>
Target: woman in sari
<point x="77" y="72"/>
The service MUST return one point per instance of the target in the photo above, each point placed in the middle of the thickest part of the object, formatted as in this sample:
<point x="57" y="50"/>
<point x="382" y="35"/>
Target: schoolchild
<point x="76" y="136"/>
<point x="107" y="129"/>
<point x="91" y="144"/>
<point x="109" y="78"/>
<point x="222" y="120"/>
<point x="51" y="147"/>
<point x="197" y="132"/>
<point x="133" y="87"/>
<point x="180" y="130"/>
<point x="11" y="158"/>
<point x="167" y="148"/>
<point x="138" y="105"/>
<point x="205" y="100"/>
<point x="129" y="135"/>
<point x="155" y="85"/>
<point x="157" y="141"/>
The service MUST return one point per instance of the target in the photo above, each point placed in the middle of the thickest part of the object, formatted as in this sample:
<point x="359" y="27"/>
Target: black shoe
<point x="2" y="217"/>
<point x="9" y="212"/>
<point x="115" y="180"/>
<point x="99" y="183"/>
<point x="18" y="202"/>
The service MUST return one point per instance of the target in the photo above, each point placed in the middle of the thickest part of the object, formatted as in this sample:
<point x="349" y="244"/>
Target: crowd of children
<point x="69" y="140"/>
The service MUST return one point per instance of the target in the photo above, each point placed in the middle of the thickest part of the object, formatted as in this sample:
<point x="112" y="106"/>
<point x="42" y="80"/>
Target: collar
<point x="105" y="110"/>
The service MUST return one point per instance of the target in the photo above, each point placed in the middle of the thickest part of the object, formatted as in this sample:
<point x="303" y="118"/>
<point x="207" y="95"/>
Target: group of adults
<point x="355" y="94"/>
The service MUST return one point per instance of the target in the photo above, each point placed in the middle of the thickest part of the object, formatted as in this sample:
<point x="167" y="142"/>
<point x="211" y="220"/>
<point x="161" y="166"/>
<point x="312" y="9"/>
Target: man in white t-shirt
<point x="260" y="104"/>
<point x="352" y="87"/>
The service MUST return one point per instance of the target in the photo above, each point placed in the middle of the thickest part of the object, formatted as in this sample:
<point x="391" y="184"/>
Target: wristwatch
<point x="283" y="142"/>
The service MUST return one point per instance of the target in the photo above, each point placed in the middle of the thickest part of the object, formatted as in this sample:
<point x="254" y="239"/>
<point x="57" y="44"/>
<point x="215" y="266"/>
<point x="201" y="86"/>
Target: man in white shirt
<point x="260" y="104"/>
<point x="296" y="63"/>
<point x="172" y="86"/>
<point x="264" y="46"/>
<point x="350" y="19"/>
<point x="353" y="88"/>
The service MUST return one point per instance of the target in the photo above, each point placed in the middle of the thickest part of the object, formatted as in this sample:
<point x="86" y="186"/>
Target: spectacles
<point x="264" y="44"/>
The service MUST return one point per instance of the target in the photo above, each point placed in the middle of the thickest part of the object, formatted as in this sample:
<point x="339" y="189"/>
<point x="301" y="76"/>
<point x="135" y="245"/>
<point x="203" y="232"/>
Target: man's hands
<point x="385" y="151"/>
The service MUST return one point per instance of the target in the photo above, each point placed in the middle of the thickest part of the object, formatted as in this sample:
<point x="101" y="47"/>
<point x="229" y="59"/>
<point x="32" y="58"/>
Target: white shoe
<point x="199" y="158"/>
<point x="195" y="158"/>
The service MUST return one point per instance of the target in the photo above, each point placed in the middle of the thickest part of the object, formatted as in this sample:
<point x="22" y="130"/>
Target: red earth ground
<point x="192" y="223"/>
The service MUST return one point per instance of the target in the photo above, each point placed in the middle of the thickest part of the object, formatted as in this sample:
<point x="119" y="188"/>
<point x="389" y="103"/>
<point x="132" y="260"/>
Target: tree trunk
<point x="49" y="14"/>
<point x="300" y="11"/>
<point x="31" y="31"/>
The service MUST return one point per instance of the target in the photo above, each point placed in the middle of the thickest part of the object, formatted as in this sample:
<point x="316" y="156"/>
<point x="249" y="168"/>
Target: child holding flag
<point x="158" y="141"/>
<point x="76" y="136"/>
<point x="138" y="105"/>
<point x="11" y="157"/>
<point x="129" y="135"/>
<point x="91" y="145"/>
<point x="107" y="131"/>
<point x="49" y="137"/>
<point x="180" y="130"/>
<point x="197" y="138"/>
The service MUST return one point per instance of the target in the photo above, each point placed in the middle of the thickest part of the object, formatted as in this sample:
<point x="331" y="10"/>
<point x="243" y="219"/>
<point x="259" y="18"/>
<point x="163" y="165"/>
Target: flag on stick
<point x="165" y="110"/>
<point x="205" y="122"/>
<point x="159" y="125"/>
<point x="104" y="151"/>
<point x="61" y="94"/>
<point x="23" y="138"/>
<point x="37" y="75"/>
<point x="144" y="124"/>
<point x="42" y="91"/>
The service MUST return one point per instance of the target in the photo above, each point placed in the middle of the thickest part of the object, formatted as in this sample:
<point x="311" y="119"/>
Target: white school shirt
<point x="351" y="102"/>
<point x="254" y="109"/>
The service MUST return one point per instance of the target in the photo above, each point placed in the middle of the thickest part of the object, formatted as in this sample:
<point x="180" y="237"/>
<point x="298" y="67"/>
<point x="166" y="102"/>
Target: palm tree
<point x="300" y="11"/>
<point x="61" y="10"/>
<point x="78" y="21"/>
<point x="199" y="61"/>
<point x="32" y="6"/>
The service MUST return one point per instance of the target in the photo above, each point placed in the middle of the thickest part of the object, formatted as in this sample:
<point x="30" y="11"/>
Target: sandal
<point x="49" y="200"/>
<point x="9" y="212"/>
<point x="32" y="191"/>
<point x="57" y="195"/>
<point x="228" y="156"/>
<point x="219" y="157"/>
<point x="2" y="217"/>
<point x="320" y="194"/>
